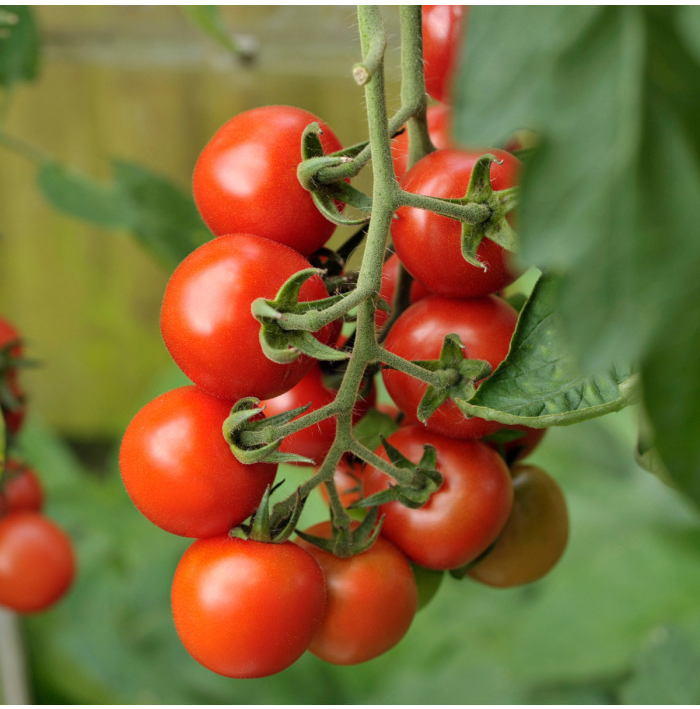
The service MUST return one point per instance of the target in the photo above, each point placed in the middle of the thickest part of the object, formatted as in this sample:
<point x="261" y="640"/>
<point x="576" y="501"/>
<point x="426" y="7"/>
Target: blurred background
<point x="617" y="621"/>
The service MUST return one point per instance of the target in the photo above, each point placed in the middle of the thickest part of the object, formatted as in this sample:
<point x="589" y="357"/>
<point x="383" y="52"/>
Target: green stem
<point x="471" y="212"/>
<point x="413" y="83"/>
<point x="270" y="434"/>
<point x="403" y="477"/>
<point x="407" y="367"/>
<point x="26" y="150"/>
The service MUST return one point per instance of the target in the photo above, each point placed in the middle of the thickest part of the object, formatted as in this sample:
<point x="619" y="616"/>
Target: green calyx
<point x="263" y="529"/>
<point x="327" y="196"/>
<point x="458" y="374"/>
<point x="253" y="439"/>
<point x="286" y="345"/>
<point x="495" y="227"/>
<point x="346" y="541"/>
<point x="423" y="481"/>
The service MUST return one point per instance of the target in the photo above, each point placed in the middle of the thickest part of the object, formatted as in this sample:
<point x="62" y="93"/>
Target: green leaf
<point x="163" y="218"/>
<point x="372" y="426"/>
<point x="666" y="671"/>
<point x="539" y="383"/>
<point x="82" y="197"/>
<point x="671" y="389"/>
<point x="610" y="195"/>
<point x="19" y="45"/>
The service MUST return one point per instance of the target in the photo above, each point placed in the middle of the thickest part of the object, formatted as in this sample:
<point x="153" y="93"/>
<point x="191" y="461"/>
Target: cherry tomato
<point x="244" y="608"/>
<point x="37" y="564"/>
<point x="206" y="320"/>
<point x="463" y="517"/>
<point x="21" y="489"/>
<point x="439" y="118"/>
<point x="442" y="35"/>
<point x="485" y="326"/>
<point x="11" y="349"/>
<point x="372" y="599"/>
<point x="535" y="536"/>
<point x="429" y="245"/>
<point x="390" y="272"/>
<point x="315" y="441"/>
<point x="180" y="472"/>
<point x="246" y="178"/>
<point x="519" y="448"/>
<point x="348" y="481"/>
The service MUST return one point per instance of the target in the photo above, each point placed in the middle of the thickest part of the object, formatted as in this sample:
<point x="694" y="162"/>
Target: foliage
<point x="610" y="195"/>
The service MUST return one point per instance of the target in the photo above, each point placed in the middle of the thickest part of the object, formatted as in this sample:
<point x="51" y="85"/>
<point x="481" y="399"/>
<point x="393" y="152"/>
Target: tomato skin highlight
<point x="429" y="245"/>
<point x="21" y="489"/>
<point x="207" y="324"/>
<point x="442" y="35"/>
<point x="180" y="472"/>
<point x="372" y="599"/>
<point x="244" y="608"/>
<point x="535" y="536"/>
<point x="463" y="517"/>
<point x="245" y="180"/>
<point x="37" y="563"/>
<point x="485" y="326"/>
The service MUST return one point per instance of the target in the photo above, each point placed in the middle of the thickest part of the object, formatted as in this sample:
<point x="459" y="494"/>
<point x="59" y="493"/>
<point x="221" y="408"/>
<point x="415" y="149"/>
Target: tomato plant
<point x="206" y="321"/>
<point x="484" y="325"/>
<point x="428" y="244"/>
<point x="179" y="471"/>
<point x="20" y="489"/>
<point x="372" y="598"/>
<point x="244" y="608"/>
<point x="246" y="178"/>
<point x="442" y="34"/>
<point x="36" y="562"/>
<point x="463" y="517"/>
<point x="534" y="537"/>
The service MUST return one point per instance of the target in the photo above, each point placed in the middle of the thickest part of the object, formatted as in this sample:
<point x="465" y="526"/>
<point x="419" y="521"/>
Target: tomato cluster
<point x="247" y="601"/>
<point x="37" y="563"/>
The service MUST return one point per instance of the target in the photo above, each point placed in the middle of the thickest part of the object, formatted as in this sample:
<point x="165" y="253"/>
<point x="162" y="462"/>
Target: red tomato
<point x="244" y="608"/>
<point x="485" y="326"/>
<point x="36" y="562"/>
<point x="206" y="320"/>
<point x="372" y="598"/>
<point x="348" y="481"/>
<point x="439" y="119"/>
<point x="442" y="35"/>
<point x="535" y="536"/>
<point x="21" y="489"/>
<point x="429" y="245"/>
<point x="14" y="417"/>
<point x="519" y="448"/>
<point x="315" y="441"/>
<point x="463" y="517"/>
<point x="246" y="178"/>
<point x="390" y="272"/>
<point x="180" y="472"/>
